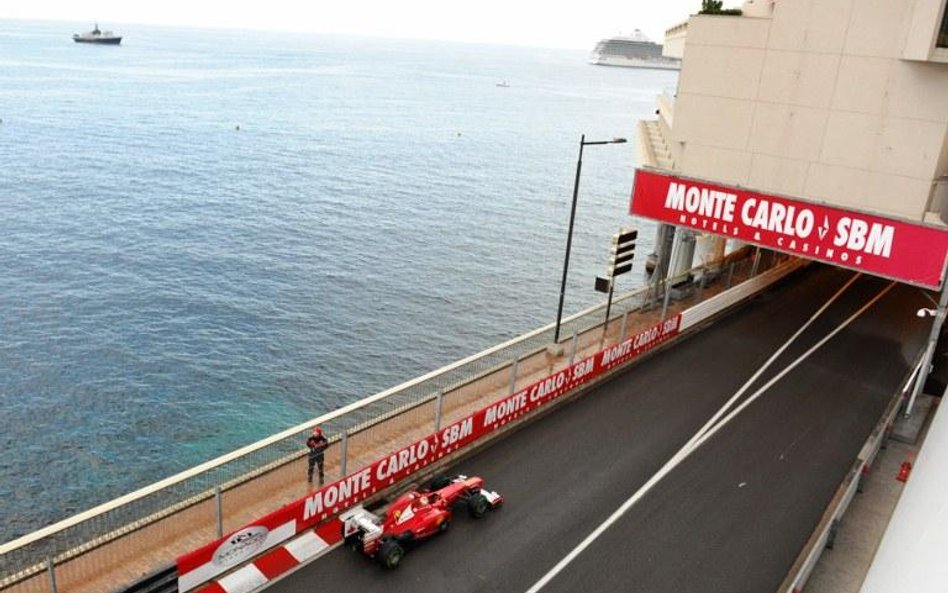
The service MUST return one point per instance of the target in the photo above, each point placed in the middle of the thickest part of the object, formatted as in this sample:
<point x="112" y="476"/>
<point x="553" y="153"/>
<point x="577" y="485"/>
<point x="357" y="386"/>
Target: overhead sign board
<point x="895" y="249"/>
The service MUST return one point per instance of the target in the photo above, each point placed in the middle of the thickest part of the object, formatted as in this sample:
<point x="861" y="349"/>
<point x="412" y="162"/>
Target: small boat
<point x="503" y="84"/>
<point x="97" y="36"/>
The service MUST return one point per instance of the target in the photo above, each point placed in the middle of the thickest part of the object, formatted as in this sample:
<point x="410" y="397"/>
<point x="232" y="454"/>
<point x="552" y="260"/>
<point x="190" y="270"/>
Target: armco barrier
<point x="714" y="305"/>
<point x="119" y="542"/>
<point x="164" y="580"/>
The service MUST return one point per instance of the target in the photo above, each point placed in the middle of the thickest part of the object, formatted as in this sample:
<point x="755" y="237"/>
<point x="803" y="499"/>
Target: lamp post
<point x="572" y="217"/>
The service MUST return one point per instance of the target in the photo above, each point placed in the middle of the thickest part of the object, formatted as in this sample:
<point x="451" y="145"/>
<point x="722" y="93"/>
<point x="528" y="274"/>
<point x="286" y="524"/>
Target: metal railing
<point x="178" y="514"/>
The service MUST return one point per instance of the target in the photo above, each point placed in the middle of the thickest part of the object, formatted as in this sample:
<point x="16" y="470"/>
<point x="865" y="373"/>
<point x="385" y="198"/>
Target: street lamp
<point x="925" y="366"/>
<point x="572" y="218"/>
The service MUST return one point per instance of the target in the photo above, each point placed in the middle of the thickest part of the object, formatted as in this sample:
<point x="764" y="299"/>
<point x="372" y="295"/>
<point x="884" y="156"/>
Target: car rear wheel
<point x="478" y="506"/>
<point x="391" y="554"/>
<point x="354" y="542"/>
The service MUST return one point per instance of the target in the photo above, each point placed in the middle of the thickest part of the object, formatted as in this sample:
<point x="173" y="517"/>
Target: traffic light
<point x="603" y="284"/>
<point x="622" y="252"/>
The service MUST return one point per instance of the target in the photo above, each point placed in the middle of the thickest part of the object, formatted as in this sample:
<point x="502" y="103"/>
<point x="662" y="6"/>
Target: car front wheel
<point x="478" y="506"/>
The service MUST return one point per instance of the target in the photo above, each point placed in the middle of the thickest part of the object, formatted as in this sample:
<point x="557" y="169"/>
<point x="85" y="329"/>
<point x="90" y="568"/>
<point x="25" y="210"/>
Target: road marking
<point x="703" y="435"/>
<point x="793" y="365"/>
<point x="710" y="423"/>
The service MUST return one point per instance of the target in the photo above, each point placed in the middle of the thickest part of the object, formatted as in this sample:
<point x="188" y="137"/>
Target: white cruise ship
<point x="632" y="51"/>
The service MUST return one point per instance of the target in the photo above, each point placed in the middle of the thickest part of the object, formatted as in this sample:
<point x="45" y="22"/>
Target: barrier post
<point x="730" y="276"/>
<point x="625" y="323"/>
<point x="605" y="324"/>
<point x="667" y="299"/>
<point x="439" y="404"/>
<point x="756" y="263"/>
<point x="513" y="375"/>
<point x="219" y="504"/>
<point x="572" y="348"/>
<point x="344" y="454"/>
<point x="52" y="575"/>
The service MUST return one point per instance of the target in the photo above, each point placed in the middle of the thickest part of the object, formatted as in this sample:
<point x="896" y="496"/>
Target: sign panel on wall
<point x="895" y="249"/>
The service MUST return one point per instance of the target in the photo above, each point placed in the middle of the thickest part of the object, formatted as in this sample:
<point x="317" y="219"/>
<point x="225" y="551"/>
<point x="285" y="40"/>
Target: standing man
<point x="317" y="444"/>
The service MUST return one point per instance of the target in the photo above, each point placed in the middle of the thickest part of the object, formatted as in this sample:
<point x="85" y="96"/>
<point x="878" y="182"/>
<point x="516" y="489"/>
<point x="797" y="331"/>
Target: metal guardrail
<point x="40" y="552"/>
<point x="824" y="533"/>
<point x="164" y="580"/>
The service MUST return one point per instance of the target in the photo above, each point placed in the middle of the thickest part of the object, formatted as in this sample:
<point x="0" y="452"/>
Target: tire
<point x="478" y="506"/>
<point x="391" y="554"/>
<point x="444" y="525"/>
<point x="354" y="542"/>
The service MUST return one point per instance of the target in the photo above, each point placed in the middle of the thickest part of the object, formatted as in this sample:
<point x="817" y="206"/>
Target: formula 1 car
<point x="415" y="516"/>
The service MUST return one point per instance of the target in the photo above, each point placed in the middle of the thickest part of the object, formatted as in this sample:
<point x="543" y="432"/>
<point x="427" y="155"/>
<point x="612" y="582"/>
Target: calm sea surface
<point x="172" y="287"/>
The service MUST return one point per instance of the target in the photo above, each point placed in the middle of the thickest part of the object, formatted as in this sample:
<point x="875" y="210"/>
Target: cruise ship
<point x="632" y="51"/>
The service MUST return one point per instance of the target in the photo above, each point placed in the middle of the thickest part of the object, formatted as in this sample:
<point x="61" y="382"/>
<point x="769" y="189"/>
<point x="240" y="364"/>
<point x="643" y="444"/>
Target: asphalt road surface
<point x="732" y="517"/>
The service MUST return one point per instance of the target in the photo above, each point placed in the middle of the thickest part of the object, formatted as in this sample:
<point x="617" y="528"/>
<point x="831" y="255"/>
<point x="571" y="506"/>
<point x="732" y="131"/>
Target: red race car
<point x="415" y="516"/>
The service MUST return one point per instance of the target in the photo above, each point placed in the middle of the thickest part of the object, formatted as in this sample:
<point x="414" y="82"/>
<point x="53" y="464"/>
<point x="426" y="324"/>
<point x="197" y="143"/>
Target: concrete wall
<point x="674" y="44"/>
<point x="818" y="102"/>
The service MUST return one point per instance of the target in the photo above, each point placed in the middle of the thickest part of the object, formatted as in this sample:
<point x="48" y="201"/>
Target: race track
<point x="732" y="516"/>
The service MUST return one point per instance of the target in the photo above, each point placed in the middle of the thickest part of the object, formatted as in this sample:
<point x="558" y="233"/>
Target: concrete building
<point x="831" y="104"/>
<point x="841" y="102"/>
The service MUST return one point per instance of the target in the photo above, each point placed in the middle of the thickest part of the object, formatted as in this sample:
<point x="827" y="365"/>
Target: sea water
<point x="209" y="236"/>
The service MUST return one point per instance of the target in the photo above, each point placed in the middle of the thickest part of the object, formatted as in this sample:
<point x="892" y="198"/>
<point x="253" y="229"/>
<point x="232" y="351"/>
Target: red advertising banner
<point x="894" y="249"/>
<point x="326" y="503"/>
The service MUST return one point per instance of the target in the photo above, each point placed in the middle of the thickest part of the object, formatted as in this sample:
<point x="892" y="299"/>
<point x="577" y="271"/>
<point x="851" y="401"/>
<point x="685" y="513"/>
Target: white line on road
<point x="793" y="365"/>
<point x="769" y="362"/>
<point x="705" y="433"/>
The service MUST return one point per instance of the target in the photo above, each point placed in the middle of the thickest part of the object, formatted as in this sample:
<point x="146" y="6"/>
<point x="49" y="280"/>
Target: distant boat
<point x="97" y="36"/>
<point x="503" y="84"/>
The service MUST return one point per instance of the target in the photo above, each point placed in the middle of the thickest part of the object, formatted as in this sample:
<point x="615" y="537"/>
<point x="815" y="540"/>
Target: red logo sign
<point x="903" y="251"/>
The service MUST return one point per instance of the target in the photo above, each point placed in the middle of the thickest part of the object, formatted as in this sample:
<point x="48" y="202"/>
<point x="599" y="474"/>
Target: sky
<point x="566" y="24"/>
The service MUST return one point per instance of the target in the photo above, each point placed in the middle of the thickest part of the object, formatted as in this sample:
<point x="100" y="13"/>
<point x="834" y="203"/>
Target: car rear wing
<point x="358" y="519"/>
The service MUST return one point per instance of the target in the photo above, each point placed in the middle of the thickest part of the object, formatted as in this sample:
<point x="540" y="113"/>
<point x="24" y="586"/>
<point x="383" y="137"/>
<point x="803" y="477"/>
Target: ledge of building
<point x="653" y="148"/>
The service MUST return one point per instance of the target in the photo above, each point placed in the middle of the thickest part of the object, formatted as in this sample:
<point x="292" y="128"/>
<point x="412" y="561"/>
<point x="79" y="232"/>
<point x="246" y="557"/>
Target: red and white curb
<point x="276" y="562"/>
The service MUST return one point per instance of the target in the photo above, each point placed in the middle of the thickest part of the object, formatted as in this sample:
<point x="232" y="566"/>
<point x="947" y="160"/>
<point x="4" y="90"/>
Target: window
<point x="943" y="32"/>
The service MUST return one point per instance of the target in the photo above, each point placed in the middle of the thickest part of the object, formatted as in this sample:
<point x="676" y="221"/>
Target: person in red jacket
<point x="317" y="444"/>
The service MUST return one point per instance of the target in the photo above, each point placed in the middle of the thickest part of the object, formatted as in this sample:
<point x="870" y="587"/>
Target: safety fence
<point x="122" y="541"/>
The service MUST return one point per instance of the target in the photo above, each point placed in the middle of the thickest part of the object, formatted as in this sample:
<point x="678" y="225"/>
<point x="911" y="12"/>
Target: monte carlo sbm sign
<point x="895" y="249"/>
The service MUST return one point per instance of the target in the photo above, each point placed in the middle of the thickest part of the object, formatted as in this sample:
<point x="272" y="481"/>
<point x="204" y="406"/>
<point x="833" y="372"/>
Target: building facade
<point x="836" y="103"/>
<point x="840" y="102"/>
